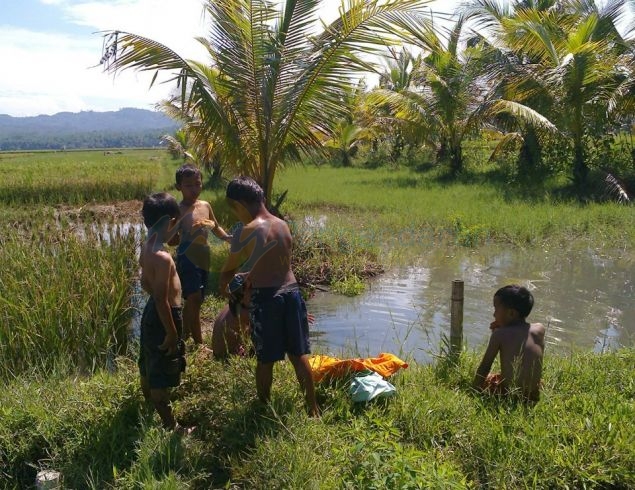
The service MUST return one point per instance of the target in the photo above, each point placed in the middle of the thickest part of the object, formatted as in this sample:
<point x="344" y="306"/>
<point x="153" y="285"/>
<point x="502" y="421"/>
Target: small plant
<point x="349" y="286"/>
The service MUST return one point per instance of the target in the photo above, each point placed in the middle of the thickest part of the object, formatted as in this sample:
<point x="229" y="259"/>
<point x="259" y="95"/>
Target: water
<point x="583" y="297"/>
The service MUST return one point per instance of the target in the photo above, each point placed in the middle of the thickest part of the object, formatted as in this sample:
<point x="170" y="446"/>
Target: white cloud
<point x="44" y="73"/>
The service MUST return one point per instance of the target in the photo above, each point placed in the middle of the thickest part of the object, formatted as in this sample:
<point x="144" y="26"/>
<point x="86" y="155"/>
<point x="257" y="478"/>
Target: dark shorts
<point x="279" y="323"/>
<point x="193" y="278"/>
<point x="161" y="370"/>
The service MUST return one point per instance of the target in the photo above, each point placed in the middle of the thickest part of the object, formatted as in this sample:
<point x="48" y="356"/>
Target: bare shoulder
<point x="537" y="328"/>
<point x="158" y="258"/>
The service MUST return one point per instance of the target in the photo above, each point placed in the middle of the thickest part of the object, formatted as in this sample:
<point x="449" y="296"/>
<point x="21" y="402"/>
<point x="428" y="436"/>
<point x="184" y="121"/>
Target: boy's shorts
<point x="279" y="323"/>
<point x="161" y="370"/>
<point x="193" y="278"/>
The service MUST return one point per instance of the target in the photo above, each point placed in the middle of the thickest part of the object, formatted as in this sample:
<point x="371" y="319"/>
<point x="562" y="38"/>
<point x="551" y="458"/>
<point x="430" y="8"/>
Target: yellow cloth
<point x="385" y="364"/>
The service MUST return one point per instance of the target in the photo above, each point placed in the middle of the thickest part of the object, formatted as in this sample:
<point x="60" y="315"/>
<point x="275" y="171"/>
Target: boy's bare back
<point x="521" y="348"/>
<point x="158" y="274"/>
<point x="266" y="243"/>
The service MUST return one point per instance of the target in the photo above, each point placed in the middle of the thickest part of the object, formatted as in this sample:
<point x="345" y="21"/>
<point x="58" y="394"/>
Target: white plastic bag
<point x="366" y="387"/>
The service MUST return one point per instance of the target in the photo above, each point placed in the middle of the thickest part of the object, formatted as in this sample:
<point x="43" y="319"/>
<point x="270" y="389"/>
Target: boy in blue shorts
<point x="258" y="273"/>
<point x="161" y="356"/>
<point x="192" y="259"/>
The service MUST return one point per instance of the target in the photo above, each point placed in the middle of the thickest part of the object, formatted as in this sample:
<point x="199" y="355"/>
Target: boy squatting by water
<point x="261" y="255"/>
<point x="161" y="356"/>
<point x="520" y="344"/>
<point x="192" y="256"/>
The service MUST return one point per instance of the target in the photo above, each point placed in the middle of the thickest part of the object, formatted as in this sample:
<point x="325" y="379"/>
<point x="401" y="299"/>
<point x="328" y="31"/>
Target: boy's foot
<point x="202" y="351"/>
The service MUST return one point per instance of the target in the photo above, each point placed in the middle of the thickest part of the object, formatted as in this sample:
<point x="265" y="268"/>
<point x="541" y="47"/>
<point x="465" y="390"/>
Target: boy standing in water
<point x="161" y="357"/>
<point x="192" y="259"/>
<point x="279" y="322"/>
<point x="520" y="344"/>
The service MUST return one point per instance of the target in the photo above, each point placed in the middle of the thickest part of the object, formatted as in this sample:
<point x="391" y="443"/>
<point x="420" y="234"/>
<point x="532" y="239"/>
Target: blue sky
<point x="49" y="49"/>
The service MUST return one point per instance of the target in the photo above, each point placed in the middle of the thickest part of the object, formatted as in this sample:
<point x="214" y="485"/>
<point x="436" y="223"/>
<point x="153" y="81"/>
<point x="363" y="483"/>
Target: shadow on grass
<point x="218" y="397"/>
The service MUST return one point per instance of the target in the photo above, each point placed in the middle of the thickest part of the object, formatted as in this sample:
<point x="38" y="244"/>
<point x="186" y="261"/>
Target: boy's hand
<point x="494" y="325"/>
<point x="208" y="223"/>
<point x="237" y="287"/>
<point x="169" y="345"/>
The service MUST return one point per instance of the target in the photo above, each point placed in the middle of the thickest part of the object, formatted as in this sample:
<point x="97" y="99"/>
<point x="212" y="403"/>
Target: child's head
<point x="157" y="207"/>
<point x="187" y="171"/>
<point x="189" y="181"/>
<point x="511" y="303"/>
<point x="245" y="189"/>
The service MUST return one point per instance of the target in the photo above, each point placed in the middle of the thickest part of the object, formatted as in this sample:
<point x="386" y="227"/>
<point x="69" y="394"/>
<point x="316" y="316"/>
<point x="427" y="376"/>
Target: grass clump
<point x="65" y="299"/>
<point x="333" y="257"/>
<point x="84" y="427"/>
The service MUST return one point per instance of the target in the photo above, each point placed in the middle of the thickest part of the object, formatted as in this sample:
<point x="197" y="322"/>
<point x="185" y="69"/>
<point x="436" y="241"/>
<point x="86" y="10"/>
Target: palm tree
<point x="272" y="89"/>
<point x="573" y="55"/>
<point x="510" y="72"/>
<point x="449" y="97"/>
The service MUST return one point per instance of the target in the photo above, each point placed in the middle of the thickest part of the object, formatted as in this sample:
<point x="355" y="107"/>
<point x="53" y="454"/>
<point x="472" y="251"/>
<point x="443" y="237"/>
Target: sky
<point x="50" y="48"/>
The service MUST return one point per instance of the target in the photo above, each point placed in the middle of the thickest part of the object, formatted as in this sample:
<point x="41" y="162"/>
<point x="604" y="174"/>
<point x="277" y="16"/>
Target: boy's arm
<point x="160" y="292"/>
<point x="232" y="264"/>
<point x="176" y="238"/>
<point x="488" y="359"/>
<point x="217" y="230"/>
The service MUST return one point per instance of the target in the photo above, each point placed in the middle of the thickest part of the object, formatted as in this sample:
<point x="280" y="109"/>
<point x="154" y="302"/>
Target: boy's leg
<point x="264" y="378"/>
<point x="145" y="388"/>
<point x="192" y="317"/>
<point x="161" y="400"/>
<point x="305" y="378"/>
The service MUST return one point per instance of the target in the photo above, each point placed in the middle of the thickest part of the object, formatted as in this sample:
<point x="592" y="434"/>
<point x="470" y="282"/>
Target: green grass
<point x="77" y="177"/>
<point x="402" y="207"/>
<point x="435" y="433"/>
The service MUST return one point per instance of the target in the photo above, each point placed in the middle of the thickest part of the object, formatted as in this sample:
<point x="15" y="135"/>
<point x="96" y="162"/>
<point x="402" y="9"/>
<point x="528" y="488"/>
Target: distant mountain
<point x="88" y="129"/>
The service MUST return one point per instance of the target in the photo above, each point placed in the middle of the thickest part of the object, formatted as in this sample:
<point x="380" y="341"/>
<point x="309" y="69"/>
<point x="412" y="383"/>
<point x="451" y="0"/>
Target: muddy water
<point x="584" y="297"/>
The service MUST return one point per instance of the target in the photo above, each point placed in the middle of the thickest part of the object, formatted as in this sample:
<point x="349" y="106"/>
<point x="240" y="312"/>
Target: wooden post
<point x="456" y="317"/>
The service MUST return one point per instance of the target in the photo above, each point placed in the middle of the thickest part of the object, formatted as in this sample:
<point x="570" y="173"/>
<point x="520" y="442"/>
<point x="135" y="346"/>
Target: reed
<point x="65" y="297"/>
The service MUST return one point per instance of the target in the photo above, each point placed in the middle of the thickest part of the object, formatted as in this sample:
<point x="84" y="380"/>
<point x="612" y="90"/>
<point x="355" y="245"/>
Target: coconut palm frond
<point x="616" y="189"/>
<point x="524" y="113"/>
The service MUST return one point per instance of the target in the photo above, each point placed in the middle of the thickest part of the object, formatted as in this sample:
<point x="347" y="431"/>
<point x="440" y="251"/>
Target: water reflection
<point x="583" y="297"/>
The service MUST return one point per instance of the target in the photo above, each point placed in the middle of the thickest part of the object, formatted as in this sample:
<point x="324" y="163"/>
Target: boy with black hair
<point x="192" y="255"/>
<point x="259" y="268"/>
<point x="161" y="356"/>
<point x="520" y="344"/>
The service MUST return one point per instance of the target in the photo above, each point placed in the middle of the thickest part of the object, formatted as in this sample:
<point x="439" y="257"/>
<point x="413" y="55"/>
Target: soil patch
<point x="121" y="211"/>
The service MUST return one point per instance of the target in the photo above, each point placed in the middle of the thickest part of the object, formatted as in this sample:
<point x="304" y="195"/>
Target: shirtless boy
<point x="520" y="344"/>
<point x="192" y="259"/>
<point x="161" y="360"/>
<point x="261" y="256"/>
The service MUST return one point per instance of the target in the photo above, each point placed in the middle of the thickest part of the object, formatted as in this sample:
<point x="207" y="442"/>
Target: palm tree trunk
<point x="530" y="156"/>
<point x="580" y="168"/>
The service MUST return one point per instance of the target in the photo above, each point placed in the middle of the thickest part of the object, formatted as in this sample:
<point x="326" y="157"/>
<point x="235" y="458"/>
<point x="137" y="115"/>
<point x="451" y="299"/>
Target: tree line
<point x="543" y="79"/>
<point x="81" y="140"/>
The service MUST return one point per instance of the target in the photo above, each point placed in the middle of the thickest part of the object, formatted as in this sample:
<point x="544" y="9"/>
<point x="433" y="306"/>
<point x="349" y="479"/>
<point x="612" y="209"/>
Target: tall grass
<point x="435" y="433"/>
<point x="79" y="177"/>
<point x="64" y="296"/>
